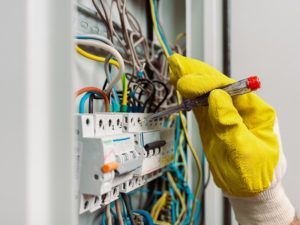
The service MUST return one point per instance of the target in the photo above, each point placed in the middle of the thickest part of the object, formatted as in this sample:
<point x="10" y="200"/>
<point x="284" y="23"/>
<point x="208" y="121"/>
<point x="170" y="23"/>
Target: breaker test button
<point x="109" y="167"/>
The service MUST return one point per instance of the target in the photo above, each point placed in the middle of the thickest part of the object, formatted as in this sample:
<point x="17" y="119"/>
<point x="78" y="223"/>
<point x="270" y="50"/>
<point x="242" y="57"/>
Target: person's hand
<point x="237" y="134"/>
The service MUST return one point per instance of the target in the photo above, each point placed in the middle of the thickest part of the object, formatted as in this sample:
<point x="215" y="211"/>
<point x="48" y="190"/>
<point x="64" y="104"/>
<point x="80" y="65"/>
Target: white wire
<point x="108" y="215"/>
<point x="98" y="37"/>
<point x="119" y="213"/>
<point x="111" y="50"/>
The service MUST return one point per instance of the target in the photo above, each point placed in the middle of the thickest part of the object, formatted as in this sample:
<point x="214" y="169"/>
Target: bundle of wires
<point x="102" y="43"/>
<point x="162" y="39"/>
<point x="141" y="84"/>
<point x="177" y="178"/>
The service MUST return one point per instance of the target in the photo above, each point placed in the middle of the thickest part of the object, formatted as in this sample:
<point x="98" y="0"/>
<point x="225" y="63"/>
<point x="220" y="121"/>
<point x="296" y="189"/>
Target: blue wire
<point x="177" y="135"/>
<point x="112" y="212"/>
<point x="190" y="200"/>
<point x="103" y="219"/>
<point x="115" y="94"/>
<point x="198" y="212"/>
<point x="173" y="218"/>
<point x="85" y="98"/>
<point x="159" y="29"/>
<point x="186" y="188"/>
<point x="148" y="220"/>
<point x="82" y="102"/>
<point x="87" y="37"/>
<point x="113" y="105"/>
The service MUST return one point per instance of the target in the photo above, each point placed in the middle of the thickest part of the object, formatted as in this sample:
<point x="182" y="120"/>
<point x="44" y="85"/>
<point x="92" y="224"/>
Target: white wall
<point x="35" y="88"/>
<point x="12" y="119"/>
<point x="266" y="41"/>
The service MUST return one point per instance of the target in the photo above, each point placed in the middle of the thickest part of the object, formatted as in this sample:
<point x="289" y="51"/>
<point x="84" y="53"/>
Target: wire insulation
<point x="111" y="50"/>
<point x="97" y="90"/>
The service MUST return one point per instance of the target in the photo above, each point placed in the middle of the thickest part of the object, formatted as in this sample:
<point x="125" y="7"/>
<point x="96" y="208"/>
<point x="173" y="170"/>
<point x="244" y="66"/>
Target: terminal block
<point x="136" y="122"/>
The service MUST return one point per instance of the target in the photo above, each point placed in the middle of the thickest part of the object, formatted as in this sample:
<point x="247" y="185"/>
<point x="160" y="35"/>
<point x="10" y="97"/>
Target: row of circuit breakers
<point x="119" y="152"/>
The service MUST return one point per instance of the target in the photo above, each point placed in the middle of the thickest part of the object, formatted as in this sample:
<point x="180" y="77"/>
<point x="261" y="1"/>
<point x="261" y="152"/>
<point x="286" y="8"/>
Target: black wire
<point x="127" y="205"/>
<point x="207" y="180"/>
<point x="131" y="78"/>
<point x="152" y="186"/>
<point x="105" y="84"/>
<point x="138" y="100"/>
<point x="202" y="213"/>
<point x="150" y="99"/>
<point x="166" y="94"/>
<point x="107" y="70"/>
<point x="91" y="101"/>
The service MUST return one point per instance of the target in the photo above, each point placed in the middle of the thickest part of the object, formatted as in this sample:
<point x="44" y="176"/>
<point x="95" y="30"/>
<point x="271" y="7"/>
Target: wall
<point x="12" y="114"/>
<point x="35" y="162"/>
<point x="266" y="41"/>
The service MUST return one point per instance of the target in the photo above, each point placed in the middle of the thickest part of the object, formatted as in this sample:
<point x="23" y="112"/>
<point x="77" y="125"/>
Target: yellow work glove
<point x="237" y="134"/>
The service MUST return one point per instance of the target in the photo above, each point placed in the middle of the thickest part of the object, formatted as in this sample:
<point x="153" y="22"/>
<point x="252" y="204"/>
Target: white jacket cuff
<point x="271" y="207"/>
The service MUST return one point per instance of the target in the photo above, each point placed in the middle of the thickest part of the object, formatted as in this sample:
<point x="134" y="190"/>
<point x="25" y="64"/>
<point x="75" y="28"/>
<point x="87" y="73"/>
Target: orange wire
<point x="94" y="89"/>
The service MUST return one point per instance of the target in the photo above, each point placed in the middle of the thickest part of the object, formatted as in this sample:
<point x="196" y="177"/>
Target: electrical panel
<point x="122" y="78"/>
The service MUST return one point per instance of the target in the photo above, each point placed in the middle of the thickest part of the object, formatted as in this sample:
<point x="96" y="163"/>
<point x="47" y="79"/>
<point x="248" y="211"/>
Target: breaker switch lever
<point x="109" y="167"/>
<point x="155" y="144"/>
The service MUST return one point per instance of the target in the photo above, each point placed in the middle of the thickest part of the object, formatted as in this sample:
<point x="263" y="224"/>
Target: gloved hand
<point x="239" y="141"/>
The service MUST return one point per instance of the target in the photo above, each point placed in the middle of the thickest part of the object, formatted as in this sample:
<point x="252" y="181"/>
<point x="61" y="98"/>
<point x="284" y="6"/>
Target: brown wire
<point x="94" y="89"/>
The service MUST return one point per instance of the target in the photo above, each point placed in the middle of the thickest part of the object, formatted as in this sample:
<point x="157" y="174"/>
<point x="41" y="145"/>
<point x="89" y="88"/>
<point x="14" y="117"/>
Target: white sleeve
<point x="271" y="207"/>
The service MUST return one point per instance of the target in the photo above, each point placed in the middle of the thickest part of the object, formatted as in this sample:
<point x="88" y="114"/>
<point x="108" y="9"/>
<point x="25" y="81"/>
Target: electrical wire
<point x="91" y="101"/>
<point x="157" y="30"/>
<point x="127" y="205"/>
<point x="108" y="215"/>
<point x="207" y="180"/>
<point x="97" y="90"/>
<point x="179" y="37"/>
<point x="111" y="50"/>
<point x="94" y="57"/>
<point x="162" y="223"/>
<point x="104" y="17"/>
<point x="82" y="102"/>
<point x="158" y="206"/>
<point x="95" y="37"/>
<point x="165" y="96"/>
<point x="107" y="69"/>
<point x="146" y="215"/>
<point x="184" y="160"/>
<point x="196" y="158"/>
<point x="119" y="212"/>
<point x="183" y="205"/>
<point x="125" y="94"/>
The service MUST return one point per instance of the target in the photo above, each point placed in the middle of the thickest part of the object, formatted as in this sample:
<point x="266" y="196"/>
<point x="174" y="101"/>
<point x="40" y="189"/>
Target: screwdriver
<point x="241" y="87"/>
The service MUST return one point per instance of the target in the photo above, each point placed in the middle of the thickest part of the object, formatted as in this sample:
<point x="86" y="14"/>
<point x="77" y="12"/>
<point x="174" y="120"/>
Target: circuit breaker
<point x="119" y="152"/>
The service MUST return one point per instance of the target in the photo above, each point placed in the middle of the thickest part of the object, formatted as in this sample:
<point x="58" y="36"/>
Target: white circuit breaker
<point x="119" y="152"/>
